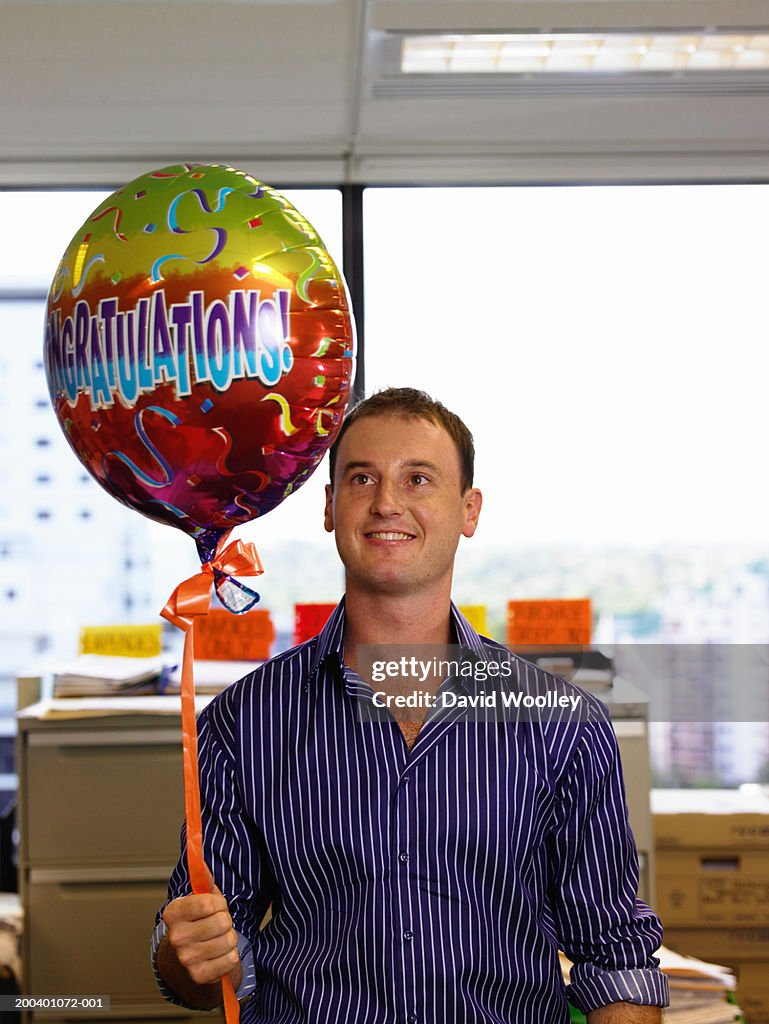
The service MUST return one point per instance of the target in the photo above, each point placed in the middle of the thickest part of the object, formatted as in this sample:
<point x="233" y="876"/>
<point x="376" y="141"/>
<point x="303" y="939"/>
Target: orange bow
<point x="191" y="599"/>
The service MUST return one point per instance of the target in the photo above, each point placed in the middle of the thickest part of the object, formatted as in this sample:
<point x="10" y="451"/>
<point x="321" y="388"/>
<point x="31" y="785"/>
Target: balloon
<point x="199" y="347"/>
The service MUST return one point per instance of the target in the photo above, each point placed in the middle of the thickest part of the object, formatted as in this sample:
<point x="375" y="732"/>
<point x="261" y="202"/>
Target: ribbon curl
<point x="190" y="600"/>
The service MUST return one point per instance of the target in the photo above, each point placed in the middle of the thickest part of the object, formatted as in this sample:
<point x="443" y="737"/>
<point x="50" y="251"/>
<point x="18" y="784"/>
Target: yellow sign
<point x="121" y="641"/>
<point x="476" y="616"/>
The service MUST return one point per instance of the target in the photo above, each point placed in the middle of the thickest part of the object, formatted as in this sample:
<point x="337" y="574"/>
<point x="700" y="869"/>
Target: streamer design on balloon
<point x="172" y="172"/>
<point x="171" y="440"/>
<point x="152" y="449"/>
<point x="319" y="428"/>
<point x="173" y="224"/>
<point x="286" y="425"/>
<point x="306" y="277"/>
<point x="115" y="223"/>
<point x="81" y="275"/>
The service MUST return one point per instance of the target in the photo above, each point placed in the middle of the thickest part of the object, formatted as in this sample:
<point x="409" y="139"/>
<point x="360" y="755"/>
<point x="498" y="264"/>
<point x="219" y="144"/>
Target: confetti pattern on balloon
<point x="199" y="347"/>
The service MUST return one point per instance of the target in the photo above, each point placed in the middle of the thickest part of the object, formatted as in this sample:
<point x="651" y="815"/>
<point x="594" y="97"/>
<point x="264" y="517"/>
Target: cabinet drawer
<point x="90" y="938"/>
<point x="108" y="797"/>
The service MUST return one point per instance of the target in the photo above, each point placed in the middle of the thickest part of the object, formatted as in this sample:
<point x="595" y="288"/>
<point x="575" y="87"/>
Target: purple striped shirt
<point x="431" y="886"/>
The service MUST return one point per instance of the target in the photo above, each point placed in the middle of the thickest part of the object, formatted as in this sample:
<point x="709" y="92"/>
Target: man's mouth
<point x="389" y="535"/>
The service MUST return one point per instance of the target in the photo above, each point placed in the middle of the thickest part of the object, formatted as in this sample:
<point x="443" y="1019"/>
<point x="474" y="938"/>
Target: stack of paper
<point x="11" y="923"/>
<point x="698" y="990"/>
<point x="212" y="676"/>
<point x="99" y="675"/>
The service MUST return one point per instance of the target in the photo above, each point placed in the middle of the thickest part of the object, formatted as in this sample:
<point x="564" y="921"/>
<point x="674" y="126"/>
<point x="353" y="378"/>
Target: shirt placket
<point x="406" y="923"/>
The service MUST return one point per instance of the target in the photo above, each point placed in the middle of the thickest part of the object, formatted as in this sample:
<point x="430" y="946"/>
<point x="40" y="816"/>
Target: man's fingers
<point x="218" y="951"/>
<point x="203" y="972"/>
<point x="206" y="947"/>
<point x="200" y="930"/>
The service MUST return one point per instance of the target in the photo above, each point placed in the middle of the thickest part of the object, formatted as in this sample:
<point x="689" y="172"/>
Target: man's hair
<point x="413" y="404"/>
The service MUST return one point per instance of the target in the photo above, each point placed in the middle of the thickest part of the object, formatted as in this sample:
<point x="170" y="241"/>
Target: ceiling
<point x="310" y="92"/>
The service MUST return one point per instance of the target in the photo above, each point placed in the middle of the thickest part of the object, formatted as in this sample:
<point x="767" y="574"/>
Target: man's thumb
<point x="212" y="886"/>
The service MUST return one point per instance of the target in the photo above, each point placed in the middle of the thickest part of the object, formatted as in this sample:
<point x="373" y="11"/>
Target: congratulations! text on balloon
<point x="125" y="353"/>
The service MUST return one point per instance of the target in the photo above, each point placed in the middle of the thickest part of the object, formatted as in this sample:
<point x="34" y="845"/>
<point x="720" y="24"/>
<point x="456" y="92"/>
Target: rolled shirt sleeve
<point x="608" y="933"/>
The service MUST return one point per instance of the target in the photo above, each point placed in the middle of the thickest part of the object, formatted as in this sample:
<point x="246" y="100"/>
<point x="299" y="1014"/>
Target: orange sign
<point x="222" y="636"/>
<point x="556" y="621"/>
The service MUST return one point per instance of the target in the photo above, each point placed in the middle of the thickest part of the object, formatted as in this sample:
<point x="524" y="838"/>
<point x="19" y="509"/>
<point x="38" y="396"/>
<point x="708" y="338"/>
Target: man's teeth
<point x="391" y="536"/>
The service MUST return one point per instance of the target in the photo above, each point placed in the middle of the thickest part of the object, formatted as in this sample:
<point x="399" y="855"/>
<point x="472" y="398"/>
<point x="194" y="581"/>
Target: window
<point x="606" y="346"/>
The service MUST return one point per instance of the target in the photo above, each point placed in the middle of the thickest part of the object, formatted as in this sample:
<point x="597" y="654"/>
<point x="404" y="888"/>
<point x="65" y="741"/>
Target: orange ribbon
<point x="191" y="599"/>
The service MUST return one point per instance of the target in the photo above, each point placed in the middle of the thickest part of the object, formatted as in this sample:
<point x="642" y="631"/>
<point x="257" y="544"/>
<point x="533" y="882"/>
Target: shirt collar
<point x="330" y="640"/>
<point x="465" y="635"/>
<point x="331" y="637"/>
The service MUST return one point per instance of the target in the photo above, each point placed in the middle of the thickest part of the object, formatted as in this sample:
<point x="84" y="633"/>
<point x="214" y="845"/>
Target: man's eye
<point x="361" y="478"/>
<point x="419" y="479"/>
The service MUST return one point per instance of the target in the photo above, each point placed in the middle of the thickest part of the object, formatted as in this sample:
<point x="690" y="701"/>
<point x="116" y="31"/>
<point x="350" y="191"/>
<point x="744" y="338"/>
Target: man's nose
<point x="386" y="500"/>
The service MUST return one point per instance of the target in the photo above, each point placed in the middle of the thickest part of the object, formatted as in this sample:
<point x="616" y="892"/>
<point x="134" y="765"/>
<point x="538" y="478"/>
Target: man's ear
<point x="473" y="499"/>
<point x="328" y="513"/>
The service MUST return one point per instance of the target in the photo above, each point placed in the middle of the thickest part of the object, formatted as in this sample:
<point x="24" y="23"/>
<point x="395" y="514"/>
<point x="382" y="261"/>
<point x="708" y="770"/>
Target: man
<point x="418" y="872"/>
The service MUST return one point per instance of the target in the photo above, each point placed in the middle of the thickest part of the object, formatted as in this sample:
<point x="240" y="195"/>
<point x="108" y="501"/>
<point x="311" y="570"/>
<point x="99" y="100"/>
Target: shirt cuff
<point x="593" y="987"/>
<point x="245" y="951"/>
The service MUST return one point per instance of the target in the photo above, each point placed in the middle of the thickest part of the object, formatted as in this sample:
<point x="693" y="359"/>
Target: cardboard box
<point x="728" y="946"/>
<point x="686" y="831"/>
<point x="752" y="974"/>
<point x="687" y="818"/>
<point x="754" y="1001"/>
<point x="712" y="887"/>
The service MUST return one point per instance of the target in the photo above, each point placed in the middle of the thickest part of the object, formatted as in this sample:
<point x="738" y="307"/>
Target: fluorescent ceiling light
<point x="569" y="52"/>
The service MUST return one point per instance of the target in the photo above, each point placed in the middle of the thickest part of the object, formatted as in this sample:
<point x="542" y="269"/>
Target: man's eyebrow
<point x="407" y="464"/>
<point x="358" y="464"/>
<point x="422" y="464"/>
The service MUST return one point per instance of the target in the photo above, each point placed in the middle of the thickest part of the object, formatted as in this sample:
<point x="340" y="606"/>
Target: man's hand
<point x="625" y="1013"/>
<point x="199" y="949"/>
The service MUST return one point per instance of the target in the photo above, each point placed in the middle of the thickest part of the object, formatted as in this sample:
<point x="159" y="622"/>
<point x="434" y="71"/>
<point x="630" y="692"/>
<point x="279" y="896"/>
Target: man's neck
<point x="387" y="619"/>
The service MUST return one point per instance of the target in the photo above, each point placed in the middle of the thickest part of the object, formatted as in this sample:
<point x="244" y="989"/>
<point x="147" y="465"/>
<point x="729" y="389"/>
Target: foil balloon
<point x="199" y="348"/>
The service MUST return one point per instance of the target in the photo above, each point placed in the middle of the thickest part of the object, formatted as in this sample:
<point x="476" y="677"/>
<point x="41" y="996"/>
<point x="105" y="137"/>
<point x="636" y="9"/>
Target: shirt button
<point x="406" y="779"/>
<point x="403" y="858"/>
<point x="412" y="1018"/>
<point x="408" y="936"/>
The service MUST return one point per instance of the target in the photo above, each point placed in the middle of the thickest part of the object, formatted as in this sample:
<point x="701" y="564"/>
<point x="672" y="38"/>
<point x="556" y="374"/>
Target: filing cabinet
<point x="101" y="802"/>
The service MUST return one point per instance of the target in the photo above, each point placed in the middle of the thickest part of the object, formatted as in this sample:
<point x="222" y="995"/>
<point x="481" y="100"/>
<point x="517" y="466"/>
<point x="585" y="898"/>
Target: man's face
<point x="397" y="507"/>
